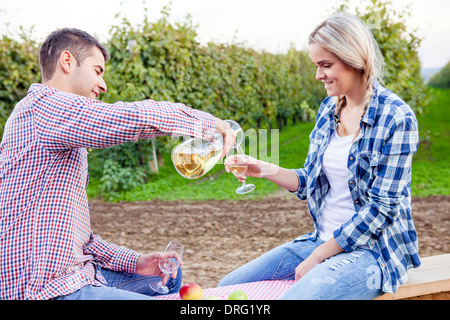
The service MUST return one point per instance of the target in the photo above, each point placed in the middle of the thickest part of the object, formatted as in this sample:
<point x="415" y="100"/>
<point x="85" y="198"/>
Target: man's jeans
<point x="123" y="286"/>
<point x="354" y="275"/>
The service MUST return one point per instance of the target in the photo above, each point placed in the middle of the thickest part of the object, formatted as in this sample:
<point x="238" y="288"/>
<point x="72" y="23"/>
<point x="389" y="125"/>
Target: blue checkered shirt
<point x="379" y="180"/>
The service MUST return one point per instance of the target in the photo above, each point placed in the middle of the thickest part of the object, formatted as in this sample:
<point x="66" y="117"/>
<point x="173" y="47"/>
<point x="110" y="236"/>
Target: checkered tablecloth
<point x="261" y="290"/>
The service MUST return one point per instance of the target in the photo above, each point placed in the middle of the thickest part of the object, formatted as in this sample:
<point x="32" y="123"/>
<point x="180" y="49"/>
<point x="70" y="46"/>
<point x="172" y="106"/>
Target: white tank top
<point x="338" y="205"/>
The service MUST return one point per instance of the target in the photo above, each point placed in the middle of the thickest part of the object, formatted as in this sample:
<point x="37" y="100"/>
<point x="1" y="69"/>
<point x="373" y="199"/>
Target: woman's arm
<point x="285" y="178"/>
<point x="326" y="250"/>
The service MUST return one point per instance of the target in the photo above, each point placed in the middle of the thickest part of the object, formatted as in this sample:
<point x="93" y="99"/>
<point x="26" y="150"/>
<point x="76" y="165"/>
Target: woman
<point x="356" y="179"/>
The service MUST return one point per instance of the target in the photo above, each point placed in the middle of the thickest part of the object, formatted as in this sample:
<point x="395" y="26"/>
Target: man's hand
<point x="147" y="265"/>
<point x="229" y="136"/>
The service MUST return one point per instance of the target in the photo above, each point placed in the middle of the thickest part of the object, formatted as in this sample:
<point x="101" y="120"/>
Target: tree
<point x="19" y="68"/>
<point x="400" y="51"/>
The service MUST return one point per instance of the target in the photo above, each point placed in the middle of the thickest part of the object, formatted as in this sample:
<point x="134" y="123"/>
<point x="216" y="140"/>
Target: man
<point x="47" y="247"/>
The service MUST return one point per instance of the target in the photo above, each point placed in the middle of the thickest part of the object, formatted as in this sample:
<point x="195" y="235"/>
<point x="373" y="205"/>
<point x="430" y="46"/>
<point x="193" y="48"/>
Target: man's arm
<point x="111" y="256"/>
<point x="66" y="121"/>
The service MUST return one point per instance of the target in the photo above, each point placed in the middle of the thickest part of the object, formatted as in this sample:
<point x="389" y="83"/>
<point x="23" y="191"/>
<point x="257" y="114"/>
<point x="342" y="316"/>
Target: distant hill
<point x="427" y="73"/>
<point x="441" y="79"/>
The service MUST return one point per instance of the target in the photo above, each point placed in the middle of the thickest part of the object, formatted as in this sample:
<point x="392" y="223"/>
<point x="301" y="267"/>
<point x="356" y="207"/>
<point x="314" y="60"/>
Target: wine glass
<point x="239" y="170"/>
<point x="168" y="265"/>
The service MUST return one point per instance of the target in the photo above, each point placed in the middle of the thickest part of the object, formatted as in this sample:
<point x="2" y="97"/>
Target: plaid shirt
<point x="46" y="243"/>
<point x="379" y="180"/>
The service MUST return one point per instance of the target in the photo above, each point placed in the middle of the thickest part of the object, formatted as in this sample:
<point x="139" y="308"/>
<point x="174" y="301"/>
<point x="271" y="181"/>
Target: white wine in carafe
<point x="195" y="157"/>
<point x="192" y="162"/>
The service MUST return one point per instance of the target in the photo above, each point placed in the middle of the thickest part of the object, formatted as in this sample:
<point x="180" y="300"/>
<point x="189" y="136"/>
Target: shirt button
<point x="351" y="158"/>
<point x="351" y="181"/>
<point x="356" y="201"/>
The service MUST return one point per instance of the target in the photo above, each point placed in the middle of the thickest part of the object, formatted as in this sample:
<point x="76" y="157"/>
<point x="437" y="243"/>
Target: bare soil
<point x="220" y="236"/>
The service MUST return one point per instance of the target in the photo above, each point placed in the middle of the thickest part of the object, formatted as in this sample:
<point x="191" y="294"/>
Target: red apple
<point x="191" y="291"/>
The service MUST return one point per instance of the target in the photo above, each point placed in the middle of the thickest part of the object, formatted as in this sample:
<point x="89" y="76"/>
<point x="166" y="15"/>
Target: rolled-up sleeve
<point x="301" y="191"/>
<point x="111" y="256"/>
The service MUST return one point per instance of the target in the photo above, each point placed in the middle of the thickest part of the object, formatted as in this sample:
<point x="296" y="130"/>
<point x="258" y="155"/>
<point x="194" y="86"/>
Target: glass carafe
<point x="194" y="157"/>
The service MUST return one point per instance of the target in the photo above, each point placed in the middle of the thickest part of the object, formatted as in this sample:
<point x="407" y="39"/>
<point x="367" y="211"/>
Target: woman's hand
<point x="285" y="178"/>
<point x="306" y="265"/>
<point x="148" y="264"/>
<point x="324" y="251"/>
<point x="255" y="168"/>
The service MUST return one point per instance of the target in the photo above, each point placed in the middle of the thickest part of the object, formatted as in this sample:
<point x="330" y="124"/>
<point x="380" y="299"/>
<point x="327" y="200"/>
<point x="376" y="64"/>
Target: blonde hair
<point x="348" y="37"/>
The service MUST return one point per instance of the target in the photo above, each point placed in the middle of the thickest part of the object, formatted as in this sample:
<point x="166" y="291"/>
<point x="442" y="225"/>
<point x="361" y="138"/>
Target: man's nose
<point x="102" y="86"/>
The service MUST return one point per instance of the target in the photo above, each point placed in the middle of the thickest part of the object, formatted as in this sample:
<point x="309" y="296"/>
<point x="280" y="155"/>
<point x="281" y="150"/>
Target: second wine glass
<point x="168" y="265"/>
<point x="239" y="170"/>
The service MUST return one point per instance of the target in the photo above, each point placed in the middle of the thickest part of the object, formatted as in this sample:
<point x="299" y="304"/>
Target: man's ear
<point x="67" y="61"/>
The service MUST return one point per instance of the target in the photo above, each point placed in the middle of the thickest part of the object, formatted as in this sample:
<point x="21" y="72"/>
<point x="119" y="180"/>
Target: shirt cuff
<point x="208" y="124"/>
<point x="127" y="260"/>
<point x="346" y="243"/>
<point x="301" y="184"/>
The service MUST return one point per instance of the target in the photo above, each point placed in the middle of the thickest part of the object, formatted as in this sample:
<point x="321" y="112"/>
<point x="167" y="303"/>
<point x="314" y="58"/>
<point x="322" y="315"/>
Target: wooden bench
<point x="431" y="281"/>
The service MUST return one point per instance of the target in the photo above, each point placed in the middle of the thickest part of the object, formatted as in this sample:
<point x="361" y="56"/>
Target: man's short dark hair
<point x="79" y="43"/>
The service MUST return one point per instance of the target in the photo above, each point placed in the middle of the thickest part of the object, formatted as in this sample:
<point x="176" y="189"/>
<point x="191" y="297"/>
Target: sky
<point x="270" y="25"/>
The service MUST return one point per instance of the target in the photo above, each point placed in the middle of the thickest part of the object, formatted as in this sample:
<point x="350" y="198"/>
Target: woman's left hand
<point x="304" y="267"/>
<point x="324" y="251"/>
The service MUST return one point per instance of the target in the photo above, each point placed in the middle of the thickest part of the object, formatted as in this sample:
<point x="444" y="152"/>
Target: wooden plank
<point x="433" y="276"/>
<point x="433" y="296"/>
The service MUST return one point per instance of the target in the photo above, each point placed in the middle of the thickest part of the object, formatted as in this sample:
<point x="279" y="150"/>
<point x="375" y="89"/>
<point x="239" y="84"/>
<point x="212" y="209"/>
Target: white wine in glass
<point x="167" y="266"/>
<point x="239" y="170"/>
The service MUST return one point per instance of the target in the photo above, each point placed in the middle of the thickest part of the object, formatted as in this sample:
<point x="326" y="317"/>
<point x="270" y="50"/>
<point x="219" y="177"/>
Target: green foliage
<point x="442" y="78"/>
<point x="400" y="51"/>
<point x="18" y="69"/>
<point x="115" y="177"/>
<point x="162" y="61"/>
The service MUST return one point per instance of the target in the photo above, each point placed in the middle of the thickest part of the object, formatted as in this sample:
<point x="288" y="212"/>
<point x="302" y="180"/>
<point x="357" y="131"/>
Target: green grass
<point x="430" y="164"/>
<point x="430" y="175"/>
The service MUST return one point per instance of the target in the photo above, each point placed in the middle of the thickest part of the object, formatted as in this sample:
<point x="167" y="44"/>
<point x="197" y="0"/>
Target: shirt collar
<point x="40" y="86"/>
<point x="34" y="87"/>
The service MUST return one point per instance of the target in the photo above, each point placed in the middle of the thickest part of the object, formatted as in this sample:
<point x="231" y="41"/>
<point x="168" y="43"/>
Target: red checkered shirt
<point x="46" y="243"/>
